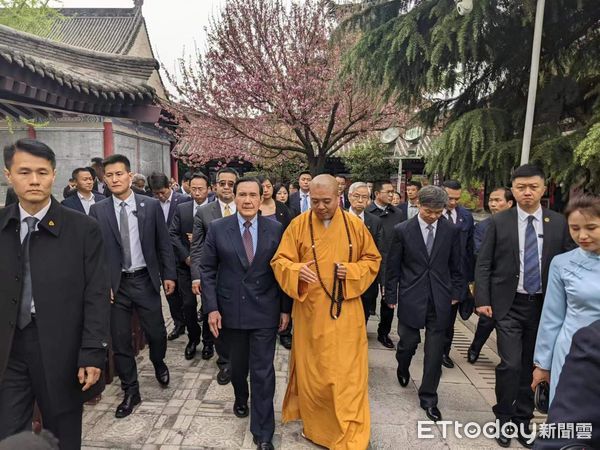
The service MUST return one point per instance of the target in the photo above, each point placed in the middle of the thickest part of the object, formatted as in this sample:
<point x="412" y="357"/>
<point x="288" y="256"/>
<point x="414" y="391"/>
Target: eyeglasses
<point x="360" y="197"/>
<point x="226" y="183"/>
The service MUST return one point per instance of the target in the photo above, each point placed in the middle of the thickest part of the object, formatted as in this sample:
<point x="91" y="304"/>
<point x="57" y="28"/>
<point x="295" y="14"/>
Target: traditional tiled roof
<point x="107" y="30"/>
<point x="62" y="76"/>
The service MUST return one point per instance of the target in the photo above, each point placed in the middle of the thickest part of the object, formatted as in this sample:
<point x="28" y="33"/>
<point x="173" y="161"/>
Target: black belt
<point x="529" y="297"/>
<point x="135" y="273"/>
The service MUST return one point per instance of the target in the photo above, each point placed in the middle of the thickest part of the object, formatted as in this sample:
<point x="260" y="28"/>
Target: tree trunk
<point x="316" y="164"/>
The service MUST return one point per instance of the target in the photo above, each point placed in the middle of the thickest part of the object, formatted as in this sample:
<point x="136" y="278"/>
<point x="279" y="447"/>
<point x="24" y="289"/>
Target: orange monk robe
<point x="328" y="378"/>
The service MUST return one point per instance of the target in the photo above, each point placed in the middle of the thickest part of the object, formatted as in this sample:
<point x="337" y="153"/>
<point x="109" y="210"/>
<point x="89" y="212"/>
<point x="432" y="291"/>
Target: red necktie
<point x="248" y="246"/>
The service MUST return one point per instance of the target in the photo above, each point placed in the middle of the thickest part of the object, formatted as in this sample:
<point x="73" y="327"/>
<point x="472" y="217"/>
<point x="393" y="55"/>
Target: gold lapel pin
<point x="546" y="219"/>
<point x="51" y="223"/>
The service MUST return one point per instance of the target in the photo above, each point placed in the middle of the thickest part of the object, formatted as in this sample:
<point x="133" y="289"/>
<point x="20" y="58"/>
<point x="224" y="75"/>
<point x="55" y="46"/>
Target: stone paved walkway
<point x="195" y="412"/>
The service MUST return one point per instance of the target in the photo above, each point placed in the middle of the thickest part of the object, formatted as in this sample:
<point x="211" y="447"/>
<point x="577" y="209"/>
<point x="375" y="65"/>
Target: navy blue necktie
<point x="531" y="265"/>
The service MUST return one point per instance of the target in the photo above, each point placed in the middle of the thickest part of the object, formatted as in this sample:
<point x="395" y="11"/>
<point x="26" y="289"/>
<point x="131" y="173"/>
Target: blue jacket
<point x="74" y="202"/>
<point x="246" y="295"/>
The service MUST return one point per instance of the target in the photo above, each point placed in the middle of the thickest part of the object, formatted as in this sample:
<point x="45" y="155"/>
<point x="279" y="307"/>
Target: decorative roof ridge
<point x="98" y="12"/>
<point x="38" y="47"/>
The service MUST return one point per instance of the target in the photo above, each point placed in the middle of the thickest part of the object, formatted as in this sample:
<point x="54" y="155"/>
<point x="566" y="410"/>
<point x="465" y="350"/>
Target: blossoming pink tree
<point x="268" y="84"/>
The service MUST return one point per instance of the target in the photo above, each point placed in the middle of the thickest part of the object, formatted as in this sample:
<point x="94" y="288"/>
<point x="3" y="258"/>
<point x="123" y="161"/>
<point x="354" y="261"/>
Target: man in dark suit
<point x="424" y="279"/>
<point x="500" y="199"/>
<point x="343" y="200"/>
<point x="300" y="201"/>
<point x="463" y="220"/>
<point x="245" y="304"/>
<point x="139" y="255"/>
<point x="577" y="395"/>
<point x="180" y="231"/>
<point x="410" y="208"/>
<point x="54" y="311"/>
<point x="359" y="197"/>
<point x="169" y="200"/>
<point x="99" y="185"/>
<point x="85" y="197"/>
<point x="223" y="207"/>
<point x="390" y="217"/>
<point x="510" y="280"/>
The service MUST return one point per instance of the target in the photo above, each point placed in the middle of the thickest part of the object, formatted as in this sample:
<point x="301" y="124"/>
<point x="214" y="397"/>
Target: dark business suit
<point x="295" y="203"/>
<point x="181" y="225"/>
<point x="204" y="216"/>
<point x="375" y="227"/>
<point x="423" y="287"/>
<point x="71" y="325"/>
<point x="74" y="202"/>
<point x="577" y="394"/>
<point x="516" y="315"/>
<point x="139" y="290"/>
<point x="250" y="302"/>
<point x="11" y="197"/>
<point x="175" y="300"/>
<point x="465" y="224"/>
<point x="485" y="324"/>
<point x="404" y="208"/>
<point x="390" y="217"/>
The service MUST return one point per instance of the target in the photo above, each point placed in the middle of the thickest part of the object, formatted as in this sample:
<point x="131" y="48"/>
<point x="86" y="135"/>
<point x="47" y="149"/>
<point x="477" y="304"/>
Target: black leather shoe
<point x="472" y="355"/>
<point x="263" y="445"/>
<point x="190" y="350"/>
<point x="162" y="374"/>
<point x="224" y="376"/>
<point x="208" y="351"/>
<point x="127" y="405"/>
<point x="433" y="413"/>
<point x="386" y="341"/>
<point x="177" y="331"/>
<point x="286" y="342"/>
<point x="447" y="362"/>
<point x="524" y="441"/>
<point x="503" y="441"/>
<point x="240" y="410"/>
<point x="403" y="377"/>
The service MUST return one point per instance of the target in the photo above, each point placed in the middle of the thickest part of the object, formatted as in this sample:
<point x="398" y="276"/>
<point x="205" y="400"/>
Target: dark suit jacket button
<point x="17" y="278"/>
<point x="243" y="297"/>
<point x="257" y="282"/>
<point x="12" y="324"/>
<point x="14" y="300"/>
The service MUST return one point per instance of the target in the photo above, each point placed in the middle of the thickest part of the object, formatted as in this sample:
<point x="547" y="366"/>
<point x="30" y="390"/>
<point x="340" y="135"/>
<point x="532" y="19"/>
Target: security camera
<point x="464" y="7"/>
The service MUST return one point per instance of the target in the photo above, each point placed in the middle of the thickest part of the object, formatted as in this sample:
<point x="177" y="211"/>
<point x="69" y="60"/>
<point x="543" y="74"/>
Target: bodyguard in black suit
<point x="390" y="217"/>
<point x="54" y="309"/>
<point x="169" y="200"/>
<point x="223" y="207"/>
<point x="299" y="202"/>
<point x="577" y="394"/>
<point x="344" y="201"/>
<point x="510" y="280"/>
<point x="84" y="196"/>
<point x="424" y="279"/>
<point x="245" y="304"/>
<point x="180" y="231"/>
<point x="359" y="196"/>
<point x="139" y="255"/>
<point x="463" y="220"/>
<point x="410" y="208"/>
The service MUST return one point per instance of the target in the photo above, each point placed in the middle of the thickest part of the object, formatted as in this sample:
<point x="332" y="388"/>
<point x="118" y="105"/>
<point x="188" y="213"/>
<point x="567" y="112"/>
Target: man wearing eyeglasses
<point x="390" y="217"/>
<point x="223" y="207"/>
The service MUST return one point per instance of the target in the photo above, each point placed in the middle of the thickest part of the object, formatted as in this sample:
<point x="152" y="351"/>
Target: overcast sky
<point x="174" y="25"/>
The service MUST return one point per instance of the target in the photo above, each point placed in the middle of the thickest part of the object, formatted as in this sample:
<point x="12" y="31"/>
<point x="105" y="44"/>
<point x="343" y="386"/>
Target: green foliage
<point x="369" y="161"/>
<point x="468" y="75"/>
<point x="31" y="16"/>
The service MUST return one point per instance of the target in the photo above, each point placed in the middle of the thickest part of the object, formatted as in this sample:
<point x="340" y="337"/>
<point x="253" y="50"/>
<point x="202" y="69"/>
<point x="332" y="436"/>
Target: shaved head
<point x="324" y="196"/>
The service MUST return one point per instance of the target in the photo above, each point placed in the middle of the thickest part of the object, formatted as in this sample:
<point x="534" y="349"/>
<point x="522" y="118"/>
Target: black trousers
<point x="140" y="294"/>
<point x="190" y="304"/>
<point x="450" y="330"/>
<point x="386" y="316"/>
<point x="485" y="326"/>
<point x="253" y="351"/>
<point x="221" y="346"/>
<point x="369" y="298"/>
<point x="24" y="383"/>
<point x="435" y="339"/>
<point x="175" y="302"/>
<point x="516" y="334"/>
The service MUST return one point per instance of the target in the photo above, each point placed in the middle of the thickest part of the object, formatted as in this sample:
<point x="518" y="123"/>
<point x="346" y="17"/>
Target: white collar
<point x="424" y="224"/>
<point x="39" y="215"/>
<point x="538" y="214"/>
<point x="81" y="197"/>
<point x="361" y="215"/>
<point x="130" y="201"/>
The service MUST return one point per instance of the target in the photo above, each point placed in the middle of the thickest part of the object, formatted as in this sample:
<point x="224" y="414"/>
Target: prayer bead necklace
<point x="337" y="296"/>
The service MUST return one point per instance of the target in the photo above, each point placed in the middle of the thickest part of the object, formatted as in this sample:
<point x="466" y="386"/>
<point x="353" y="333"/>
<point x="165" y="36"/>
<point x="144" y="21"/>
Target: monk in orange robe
<point x="325" y="261"/>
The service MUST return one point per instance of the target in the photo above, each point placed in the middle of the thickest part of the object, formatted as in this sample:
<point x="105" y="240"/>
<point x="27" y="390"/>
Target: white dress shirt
<point x="86" y="202"/>
<point x="137" y="255"/>
<point x="302" y="195"/>
<point x="361" y="215"/>
<point x="232" y="207"/>
<point x="424" y="230"/>
<point x="539" y="230"/>
<point x="411" y="210"/>
<point x="166" y="206"/>
<point x="196" y="206"/>
<point x="24" y="229"/>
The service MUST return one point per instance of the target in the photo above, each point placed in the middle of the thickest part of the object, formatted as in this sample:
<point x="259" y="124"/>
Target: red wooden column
<point x="31" y="132"/>
<point x="174" y="164"/>
<point x="108" y="138"/>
